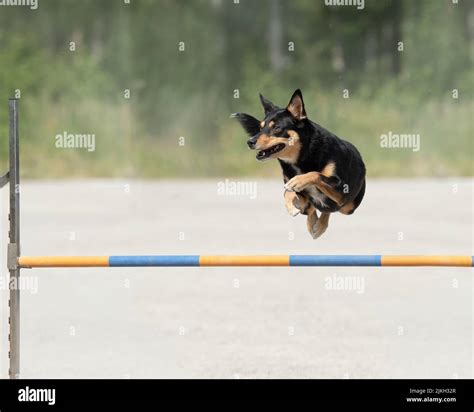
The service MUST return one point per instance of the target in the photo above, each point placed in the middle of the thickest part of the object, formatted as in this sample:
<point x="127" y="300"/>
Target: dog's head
<point x="277" y="135"/>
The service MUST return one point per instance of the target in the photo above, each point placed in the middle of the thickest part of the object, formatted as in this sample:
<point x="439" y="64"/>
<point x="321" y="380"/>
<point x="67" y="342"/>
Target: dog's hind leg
<point x="349" y="208"/>
<point x="295" y="203"/>
<point x="330" y="186"/>
<point x="317" y="225"/>
<point x="312" y="220"/>
<point x="322" y="225"/>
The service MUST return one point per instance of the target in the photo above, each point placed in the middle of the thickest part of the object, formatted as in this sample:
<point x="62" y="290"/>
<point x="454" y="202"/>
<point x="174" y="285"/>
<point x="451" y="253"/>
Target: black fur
<point x="318" y="148"/>
<point x="250" y="124"/>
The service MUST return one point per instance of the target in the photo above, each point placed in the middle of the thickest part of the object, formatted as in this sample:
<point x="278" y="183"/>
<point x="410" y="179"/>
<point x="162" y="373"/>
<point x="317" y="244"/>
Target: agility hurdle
<point x="223" y="260"/>
<point x="15" y="261"/>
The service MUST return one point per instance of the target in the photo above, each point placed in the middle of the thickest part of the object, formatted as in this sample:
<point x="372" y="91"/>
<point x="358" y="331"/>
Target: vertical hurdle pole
<point x="14" y="242"/>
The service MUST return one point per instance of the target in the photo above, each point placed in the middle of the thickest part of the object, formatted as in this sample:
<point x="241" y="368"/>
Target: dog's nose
<point x="251" y="143"/>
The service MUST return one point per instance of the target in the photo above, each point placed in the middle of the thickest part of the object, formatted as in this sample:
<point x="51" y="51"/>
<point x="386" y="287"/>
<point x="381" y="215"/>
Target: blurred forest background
<point x="231" y="53"/>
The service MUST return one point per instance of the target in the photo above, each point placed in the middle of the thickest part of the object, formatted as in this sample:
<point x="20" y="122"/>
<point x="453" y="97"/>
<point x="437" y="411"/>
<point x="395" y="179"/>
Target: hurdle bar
<point x="251" y="260"/>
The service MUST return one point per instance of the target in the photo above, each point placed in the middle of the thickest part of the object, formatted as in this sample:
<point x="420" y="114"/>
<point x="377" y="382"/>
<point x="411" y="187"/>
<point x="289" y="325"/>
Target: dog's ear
<point x="268" y="106"/>
<point x="250" y="124"/>
<point x="296" y="105"/>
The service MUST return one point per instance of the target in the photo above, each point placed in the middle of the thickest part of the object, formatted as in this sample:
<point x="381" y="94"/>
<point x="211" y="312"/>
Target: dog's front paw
<point x="293" y="211"/>
<point x="295" y="203"/>
<point x="292" y="204"/>
<point x="297" y="183"/>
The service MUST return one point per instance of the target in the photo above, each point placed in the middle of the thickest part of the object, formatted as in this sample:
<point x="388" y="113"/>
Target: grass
<point x="124" y="149"/>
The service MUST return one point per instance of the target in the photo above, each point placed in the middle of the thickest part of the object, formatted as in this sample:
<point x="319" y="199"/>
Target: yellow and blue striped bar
<point x="251" y="260"/>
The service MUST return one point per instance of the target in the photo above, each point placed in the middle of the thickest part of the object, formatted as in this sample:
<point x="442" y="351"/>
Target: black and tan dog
<point x="321" y="172"/>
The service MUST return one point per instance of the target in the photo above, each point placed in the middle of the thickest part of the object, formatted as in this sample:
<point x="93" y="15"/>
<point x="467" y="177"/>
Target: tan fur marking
<point x="262" y="123"/>
<point x="347" y="208"/>
<point x="329" y="170"/>
<point x="291" y="152"/>
<point x="264" y="142"/>
<point x="306" y="179"/>
<point x="300" y="182"/>
<point x="270" y="125"/>
<point x="330" y="192"/>
<point x="316" y="225"/>
<point x="289" y="197"/>
<point x="312" y="219"/>
<point x="292" y="146"/>
<point x="321" y="225"/>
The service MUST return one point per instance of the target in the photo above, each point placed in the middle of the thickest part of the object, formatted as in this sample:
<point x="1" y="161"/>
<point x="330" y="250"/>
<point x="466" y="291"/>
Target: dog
<point x="321" y="172"/>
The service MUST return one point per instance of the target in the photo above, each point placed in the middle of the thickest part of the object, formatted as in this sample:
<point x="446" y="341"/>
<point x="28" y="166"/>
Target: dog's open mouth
<point x="263" y="154"/>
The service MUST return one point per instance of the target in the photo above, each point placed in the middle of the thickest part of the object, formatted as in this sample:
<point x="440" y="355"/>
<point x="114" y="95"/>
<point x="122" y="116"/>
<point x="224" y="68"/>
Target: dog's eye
<point x="277" y="130"/>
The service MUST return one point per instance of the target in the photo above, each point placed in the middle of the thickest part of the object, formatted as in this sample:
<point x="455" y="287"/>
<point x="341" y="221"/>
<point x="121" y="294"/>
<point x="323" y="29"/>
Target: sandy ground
<point x="243" y="322"/>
